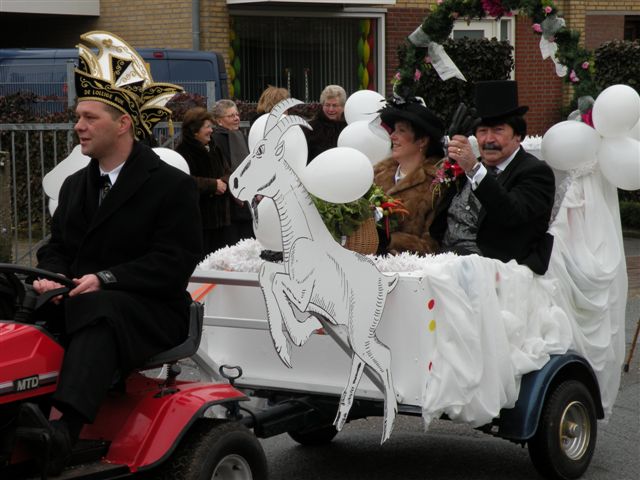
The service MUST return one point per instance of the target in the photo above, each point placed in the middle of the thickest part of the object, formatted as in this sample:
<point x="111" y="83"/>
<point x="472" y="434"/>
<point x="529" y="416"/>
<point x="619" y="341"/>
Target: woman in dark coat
<point x="233" y="147"/>
<point x="211" y="173"/>
<point x="328" y="122"/>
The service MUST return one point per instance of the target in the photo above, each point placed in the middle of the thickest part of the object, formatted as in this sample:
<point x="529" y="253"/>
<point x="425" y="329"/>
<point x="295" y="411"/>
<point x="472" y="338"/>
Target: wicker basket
<point x="365" y="239"/>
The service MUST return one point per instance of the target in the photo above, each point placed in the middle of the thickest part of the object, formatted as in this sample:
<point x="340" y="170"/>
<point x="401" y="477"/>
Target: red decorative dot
<point x="431" y="304"/>
<point x="430" y="365"/>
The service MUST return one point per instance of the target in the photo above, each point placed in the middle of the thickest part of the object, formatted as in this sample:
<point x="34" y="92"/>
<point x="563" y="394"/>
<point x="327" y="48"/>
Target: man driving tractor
<point x="127" y="231"/>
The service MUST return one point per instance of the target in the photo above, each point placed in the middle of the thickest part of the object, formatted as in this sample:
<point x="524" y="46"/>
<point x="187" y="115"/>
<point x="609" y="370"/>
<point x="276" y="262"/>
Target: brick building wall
<point x="157" y="23"/>
<point x="538" y="85"/>
<point x="400" y="23"/>
<point x="602" y="28"/>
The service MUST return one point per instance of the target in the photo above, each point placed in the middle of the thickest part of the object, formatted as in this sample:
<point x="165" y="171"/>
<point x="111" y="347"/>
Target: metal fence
<point x="32" y="150"/>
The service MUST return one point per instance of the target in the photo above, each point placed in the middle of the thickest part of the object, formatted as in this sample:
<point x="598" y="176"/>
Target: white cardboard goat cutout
<point x="317" y="275"/>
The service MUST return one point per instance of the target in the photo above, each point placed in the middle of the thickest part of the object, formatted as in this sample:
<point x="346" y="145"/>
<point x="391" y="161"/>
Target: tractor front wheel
<point x="217" y="450"/>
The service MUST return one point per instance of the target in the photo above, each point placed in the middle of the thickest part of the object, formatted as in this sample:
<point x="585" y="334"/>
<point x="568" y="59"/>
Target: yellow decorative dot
<point x="432" y="325"/>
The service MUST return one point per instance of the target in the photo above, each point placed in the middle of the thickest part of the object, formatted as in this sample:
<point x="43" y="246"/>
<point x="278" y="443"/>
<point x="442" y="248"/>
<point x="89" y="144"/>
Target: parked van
<point x="44" y="71"/>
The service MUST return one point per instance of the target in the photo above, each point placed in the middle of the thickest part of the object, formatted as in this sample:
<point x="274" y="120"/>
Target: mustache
<point x="491" y="146"/>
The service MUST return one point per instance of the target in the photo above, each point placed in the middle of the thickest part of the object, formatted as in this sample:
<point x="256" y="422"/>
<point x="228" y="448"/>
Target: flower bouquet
<point x="354" y="224"/>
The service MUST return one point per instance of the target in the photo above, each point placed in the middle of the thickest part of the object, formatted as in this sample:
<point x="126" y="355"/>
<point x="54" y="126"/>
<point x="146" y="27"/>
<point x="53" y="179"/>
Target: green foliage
<point x="438" y="25"/>
<point x="630" y="215"/>
<point x="618" y="62"/>
<point x="477" y="59"/>
<point x="342" y="219"/>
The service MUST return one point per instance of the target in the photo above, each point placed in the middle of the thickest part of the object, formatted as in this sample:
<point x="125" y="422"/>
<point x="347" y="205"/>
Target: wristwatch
<point x="471" y="173"/>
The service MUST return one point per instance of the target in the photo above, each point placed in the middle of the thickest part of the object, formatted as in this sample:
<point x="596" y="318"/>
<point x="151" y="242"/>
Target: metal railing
<point x="33" y="150"/>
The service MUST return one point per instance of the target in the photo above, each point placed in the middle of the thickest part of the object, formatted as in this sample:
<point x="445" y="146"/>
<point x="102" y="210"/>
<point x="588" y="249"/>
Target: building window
<point x="304" y="54"/>
<point x="632" y="27"/>
<point x="502" y="29"/>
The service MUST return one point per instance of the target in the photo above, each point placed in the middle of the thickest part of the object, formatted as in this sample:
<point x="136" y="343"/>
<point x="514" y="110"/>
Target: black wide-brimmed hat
<point x="497" y="99"/>
<point x="416" y="114"/>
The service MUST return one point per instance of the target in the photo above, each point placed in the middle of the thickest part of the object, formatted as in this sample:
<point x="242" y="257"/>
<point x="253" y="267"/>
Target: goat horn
<point x="277" y="111"/>
<point x="289" y="121"/>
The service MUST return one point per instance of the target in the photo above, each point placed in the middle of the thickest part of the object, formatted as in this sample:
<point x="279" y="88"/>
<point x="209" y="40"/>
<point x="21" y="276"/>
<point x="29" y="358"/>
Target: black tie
<point x="105" y="186"/>
<point x="493" y="171"/>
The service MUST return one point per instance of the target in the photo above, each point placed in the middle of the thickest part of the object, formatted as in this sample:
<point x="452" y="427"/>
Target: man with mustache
<point x="502" y="207"/>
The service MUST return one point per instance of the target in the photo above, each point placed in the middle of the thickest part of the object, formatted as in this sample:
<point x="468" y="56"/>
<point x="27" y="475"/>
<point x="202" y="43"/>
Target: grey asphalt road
<point x="451" y="452"/>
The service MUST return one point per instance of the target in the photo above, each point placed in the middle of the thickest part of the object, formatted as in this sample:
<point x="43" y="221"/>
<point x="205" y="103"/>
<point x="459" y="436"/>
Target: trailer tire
<point x="314" y="436"/>
<point x="217" y="449"/>
<point x="563" y="444"/>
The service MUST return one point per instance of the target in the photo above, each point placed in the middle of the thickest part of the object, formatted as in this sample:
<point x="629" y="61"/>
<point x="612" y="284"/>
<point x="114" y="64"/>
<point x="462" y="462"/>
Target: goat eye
<point x="260" y="150"/>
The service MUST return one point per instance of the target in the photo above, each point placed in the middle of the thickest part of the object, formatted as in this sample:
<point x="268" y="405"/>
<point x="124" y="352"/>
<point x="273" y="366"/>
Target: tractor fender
<point x="152" y="425"/>
<point x="521" y="422"/>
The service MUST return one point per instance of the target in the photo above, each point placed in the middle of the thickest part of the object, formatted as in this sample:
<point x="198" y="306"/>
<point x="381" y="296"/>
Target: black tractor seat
<point x="187" y="348"/>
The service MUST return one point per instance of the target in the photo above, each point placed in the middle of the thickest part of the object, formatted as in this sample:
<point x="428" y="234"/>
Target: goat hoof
<point x="283" y="353"/>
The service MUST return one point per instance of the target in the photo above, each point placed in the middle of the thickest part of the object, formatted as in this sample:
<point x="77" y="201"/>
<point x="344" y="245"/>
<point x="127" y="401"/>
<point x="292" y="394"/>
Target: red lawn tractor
<point x="152" y="427"/>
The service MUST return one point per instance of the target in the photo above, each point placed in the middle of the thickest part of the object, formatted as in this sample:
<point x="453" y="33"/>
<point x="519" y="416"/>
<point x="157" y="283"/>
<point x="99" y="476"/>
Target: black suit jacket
<point x="147" y="233"/>
<point x="515" y="213"/>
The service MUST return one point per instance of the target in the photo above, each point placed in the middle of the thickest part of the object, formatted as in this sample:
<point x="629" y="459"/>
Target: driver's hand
<point x="43" y="285"/>
<point x="85" y="284"/>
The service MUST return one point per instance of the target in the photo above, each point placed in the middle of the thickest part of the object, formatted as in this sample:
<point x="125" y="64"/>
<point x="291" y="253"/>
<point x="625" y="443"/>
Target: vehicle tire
<point x="564" y="442"/>
<point x="215" y="449"/>
<point x="314" y="436"/>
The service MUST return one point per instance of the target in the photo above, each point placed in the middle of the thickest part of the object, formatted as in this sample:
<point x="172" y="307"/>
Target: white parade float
<point x="534" y="359"/>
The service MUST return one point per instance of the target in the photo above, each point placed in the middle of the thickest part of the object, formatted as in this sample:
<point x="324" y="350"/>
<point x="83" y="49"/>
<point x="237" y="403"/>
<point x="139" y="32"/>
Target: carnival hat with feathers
<point x="119" y="77"/>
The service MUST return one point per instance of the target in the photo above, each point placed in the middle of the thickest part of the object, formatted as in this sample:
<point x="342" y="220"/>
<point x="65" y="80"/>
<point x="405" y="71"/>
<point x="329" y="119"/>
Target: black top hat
<point x="497" y="99"/>
<point x="416" y="114"/>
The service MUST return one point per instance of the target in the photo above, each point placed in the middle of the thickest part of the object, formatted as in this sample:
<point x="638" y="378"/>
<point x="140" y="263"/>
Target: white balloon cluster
<point x="614" y="142"/>
<point x="364" y="131"/>
<point x="338" y="175"/>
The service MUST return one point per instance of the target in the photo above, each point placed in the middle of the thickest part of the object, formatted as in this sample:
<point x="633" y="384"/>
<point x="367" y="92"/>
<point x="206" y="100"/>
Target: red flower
<point x="449" y="172"/>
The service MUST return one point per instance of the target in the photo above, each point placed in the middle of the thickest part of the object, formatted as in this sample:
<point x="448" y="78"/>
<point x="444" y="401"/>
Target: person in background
<point x="211" y="173"/>
<point x="233" y="147"/>
<point x="408" y="176"/>
<point x="328" y="122"/>
<point x="502" y="211"/>
<point x="269" y="98"/>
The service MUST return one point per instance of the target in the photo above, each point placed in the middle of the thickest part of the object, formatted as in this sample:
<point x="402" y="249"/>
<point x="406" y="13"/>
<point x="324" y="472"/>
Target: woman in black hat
<point x="408" y="175"/>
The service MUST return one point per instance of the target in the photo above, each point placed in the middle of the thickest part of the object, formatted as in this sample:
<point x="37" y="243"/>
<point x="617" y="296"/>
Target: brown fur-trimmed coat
<point x="416" y="193"/>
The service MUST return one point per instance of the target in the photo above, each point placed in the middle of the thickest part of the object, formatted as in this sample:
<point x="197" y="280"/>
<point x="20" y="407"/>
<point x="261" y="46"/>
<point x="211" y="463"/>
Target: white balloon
<point x="616" y="111"/>
<point x="635" y="131"/>
<point x="367" y="137"/>
<point x="256" y="132"/>
<point x="569" y="144"/>
<point x="53" y="180"/>
<point x="53" y="204"/>
<point x="296" y="150"/>
<point x="338" y="175"/>
<point x="267" y="226"/>
<point x="173" y="158"/>
<point x="619" y="160"/>
<point x="363" y="105"/>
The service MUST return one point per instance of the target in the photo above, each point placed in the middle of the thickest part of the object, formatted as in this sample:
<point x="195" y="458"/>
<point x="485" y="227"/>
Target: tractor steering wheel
<point x="27" y="300"/>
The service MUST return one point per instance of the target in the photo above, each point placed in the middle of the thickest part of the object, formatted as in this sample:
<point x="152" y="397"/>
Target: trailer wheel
<point x="566" y="436"/>
<point x="217" y="450"/>
<point x="315" y="435"/>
